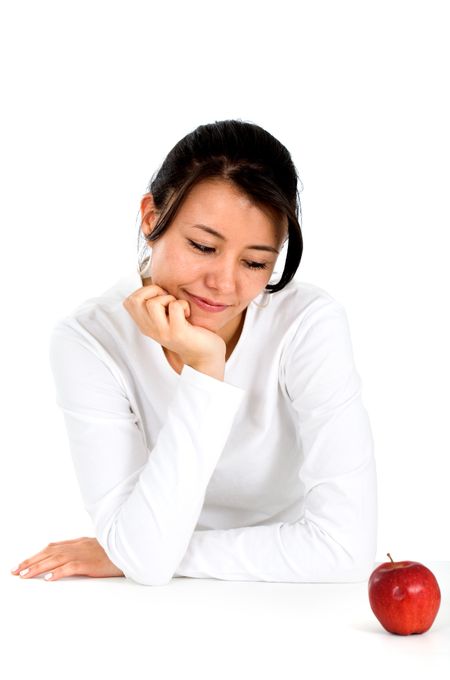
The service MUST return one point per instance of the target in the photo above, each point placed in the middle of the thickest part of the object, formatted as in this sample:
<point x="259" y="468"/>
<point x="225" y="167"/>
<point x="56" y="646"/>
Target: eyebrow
<point x="212" y="231"/>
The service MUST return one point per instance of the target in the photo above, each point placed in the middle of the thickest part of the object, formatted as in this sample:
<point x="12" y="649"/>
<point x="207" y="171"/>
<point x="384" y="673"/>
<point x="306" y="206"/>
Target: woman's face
<point x="232" y="271"/>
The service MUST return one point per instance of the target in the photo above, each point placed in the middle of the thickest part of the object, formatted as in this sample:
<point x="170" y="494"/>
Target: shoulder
<point x="298" y="305"/>
<point x="316" y="332"/>
<point x="307" y="321"/>
<point x="299" y="319"/>
<point x="100" y="322"/>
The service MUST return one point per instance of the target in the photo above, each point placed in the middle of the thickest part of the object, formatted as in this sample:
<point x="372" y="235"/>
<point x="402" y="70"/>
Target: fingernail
<point x="24" y="571"/>
<point x="15" y="569"/>
<point x="49" y="575"/>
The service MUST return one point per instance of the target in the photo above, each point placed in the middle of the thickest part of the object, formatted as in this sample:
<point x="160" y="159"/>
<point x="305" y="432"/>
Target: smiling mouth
<point x="207" y="304"/>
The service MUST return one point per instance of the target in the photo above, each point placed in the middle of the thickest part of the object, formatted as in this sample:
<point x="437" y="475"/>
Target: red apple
<point x="404" y="596"/>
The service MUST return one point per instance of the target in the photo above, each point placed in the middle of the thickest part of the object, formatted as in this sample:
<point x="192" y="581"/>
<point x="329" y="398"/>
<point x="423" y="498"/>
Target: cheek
<point x="186" y="270"/>
<point x="176" y="266"/>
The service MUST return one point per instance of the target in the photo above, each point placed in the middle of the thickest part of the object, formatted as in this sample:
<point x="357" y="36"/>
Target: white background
<point x="94" y="96"/>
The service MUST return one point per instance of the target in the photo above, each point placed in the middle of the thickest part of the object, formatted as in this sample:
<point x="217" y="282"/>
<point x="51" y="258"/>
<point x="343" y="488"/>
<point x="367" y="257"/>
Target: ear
<point x="149" y="214"/>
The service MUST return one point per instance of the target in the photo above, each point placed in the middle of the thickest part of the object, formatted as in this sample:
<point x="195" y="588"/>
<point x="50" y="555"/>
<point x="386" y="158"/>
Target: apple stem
<point x="390" y="558"/>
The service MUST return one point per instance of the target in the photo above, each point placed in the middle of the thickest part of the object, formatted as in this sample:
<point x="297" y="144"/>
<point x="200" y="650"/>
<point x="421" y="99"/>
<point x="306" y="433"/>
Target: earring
<point x="266" y="296"/>
<point x="267" y="300"/>
<point x="144" y="260"/>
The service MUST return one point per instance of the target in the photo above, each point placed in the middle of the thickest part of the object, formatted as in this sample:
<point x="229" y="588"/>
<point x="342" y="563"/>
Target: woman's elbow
<point x="355" y="566"/>
<point x="148" y="579"/>
<point x="355" y="573"/>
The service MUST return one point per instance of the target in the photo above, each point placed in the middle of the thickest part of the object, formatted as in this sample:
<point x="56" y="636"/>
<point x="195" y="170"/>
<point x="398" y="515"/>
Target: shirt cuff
<point x="212" y="385"/>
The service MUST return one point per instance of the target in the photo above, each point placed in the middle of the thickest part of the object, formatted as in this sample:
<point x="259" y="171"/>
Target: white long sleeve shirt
<point x="268" y="475"/>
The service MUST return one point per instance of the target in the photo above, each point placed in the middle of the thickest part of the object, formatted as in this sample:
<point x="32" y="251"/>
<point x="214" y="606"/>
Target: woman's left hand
<point x="78" y="557"/>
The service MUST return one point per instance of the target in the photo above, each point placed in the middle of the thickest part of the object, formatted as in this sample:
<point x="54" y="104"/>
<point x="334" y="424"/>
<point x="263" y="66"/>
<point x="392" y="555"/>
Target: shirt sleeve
<point x="335" y="539"/>
<point x="144" y="504"/>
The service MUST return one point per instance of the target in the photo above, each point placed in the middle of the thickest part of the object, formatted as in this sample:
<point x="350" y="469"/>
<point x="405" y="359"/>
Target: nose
<point x="221" y="276"/>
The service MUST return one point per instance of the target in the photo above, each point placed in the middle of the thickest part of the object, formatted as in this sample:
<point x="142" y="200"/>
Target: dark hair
<point x="248" y="156"/>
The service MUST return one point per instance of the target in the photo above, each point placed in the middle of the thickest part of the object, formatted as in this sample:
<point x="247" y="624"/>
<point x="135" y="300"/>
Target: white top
<point x="268" y="475"/>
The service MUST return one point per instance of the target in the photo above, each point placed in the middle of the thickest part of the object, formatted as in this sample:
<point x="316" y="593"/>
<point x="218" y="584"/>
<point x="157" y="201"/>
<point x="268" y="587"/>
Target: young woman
<point x="214" y="416"/>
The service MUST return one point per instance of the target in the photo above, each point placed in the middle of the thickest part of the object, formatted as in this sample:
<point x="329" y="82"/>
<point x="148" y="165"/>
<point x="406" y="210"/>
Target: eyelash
<point x="206" y="251"/>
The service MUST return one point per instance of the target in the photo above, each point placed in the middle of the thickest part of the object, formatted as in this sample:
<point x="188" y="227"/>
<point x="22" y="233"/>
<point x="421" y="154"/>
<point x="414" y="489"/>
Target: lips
<point x="208" y="305"/>
<point x="209" y="302"/>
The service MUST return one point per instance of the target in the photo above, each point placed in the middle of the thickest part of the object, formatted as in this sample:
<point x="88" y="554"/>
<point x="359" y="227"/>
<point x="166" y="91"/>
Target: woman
<point x="215" y="418"/>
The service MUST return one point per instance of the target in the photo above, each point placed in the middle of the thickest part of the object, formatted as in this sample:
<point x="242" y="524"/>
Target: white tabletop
<point x="205" y="628"/>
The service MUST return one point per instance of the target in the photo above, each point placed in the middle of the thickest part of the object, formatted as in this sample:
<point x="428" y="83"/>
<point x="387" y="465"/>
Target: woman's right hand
<point x="163" y="317"/>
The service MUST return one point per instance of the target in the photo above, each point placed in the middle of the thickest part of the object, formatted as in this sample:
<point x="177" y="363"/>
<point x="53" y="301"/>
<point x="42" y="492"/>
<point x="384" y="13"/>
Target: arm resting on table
<point x="144" y="504"/>
<point x="335" y="539"/>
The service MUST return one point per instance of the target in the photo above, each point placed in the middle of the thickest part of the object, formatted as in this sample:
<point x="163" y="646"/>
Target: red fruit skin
<point x="404" y="596"/>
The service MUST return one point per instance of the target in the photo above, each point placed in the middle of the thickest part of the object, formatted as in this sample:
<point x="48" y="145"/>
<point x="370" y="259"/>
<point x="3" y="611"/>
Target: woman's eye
<point x="206" y="250"/>
<point x="198" y="246"/>
<point x="257" y="265"/>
